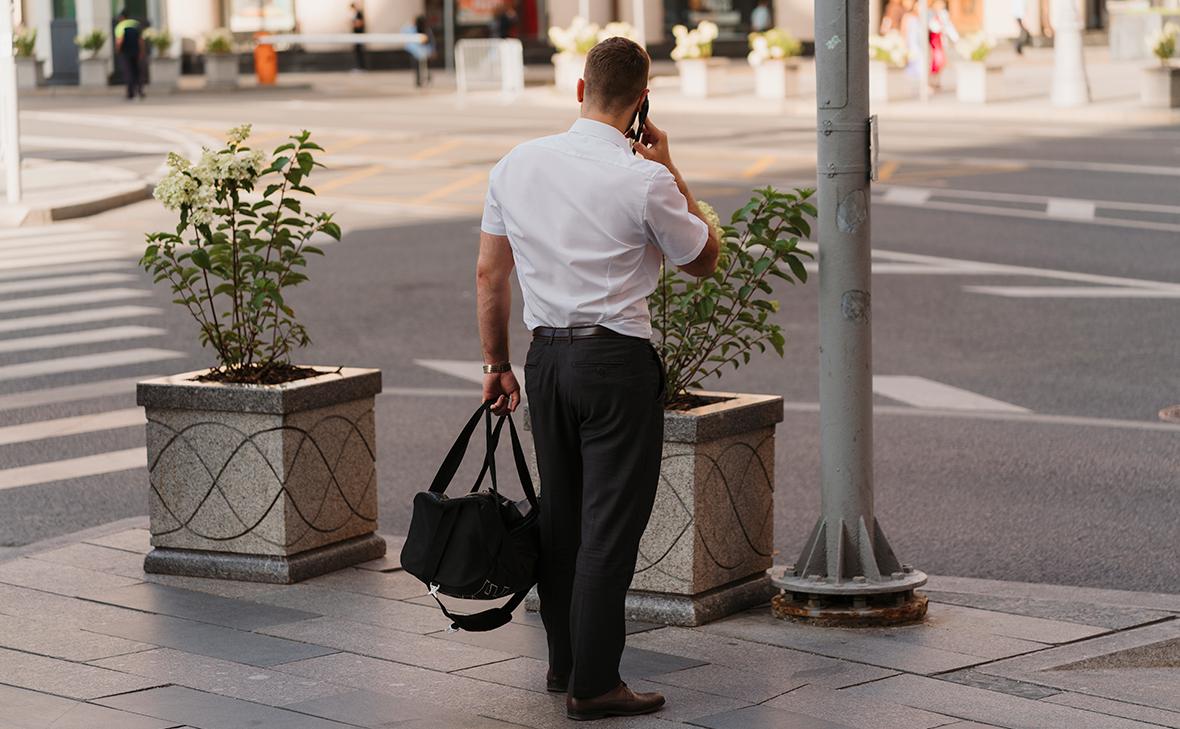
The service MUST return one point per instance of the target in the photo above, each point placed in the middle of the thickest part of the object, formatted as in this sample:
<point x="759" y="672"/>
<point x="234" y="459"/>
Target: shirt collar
<point x="600" y="130"/>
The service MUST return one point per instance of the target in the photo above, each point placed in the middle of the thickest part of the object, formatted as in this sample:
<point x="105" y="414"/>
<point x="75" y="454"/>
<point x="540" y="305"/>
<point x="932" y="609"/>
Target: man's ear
<point x="581" y="89"/>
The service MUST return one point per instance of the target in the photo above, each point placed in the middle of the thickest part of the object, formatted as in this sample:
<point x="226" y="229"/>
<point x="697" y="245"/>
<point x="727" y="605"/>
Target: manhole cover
<point x="1170" y="414"/>
<point x="1165" y="654"/>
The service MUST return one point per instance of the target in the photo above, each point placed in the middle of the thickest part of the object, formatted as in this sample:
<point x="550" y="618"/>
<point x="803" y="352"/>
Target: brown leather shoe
<point x="619" y="701"/>
<point x="555" y="683"/>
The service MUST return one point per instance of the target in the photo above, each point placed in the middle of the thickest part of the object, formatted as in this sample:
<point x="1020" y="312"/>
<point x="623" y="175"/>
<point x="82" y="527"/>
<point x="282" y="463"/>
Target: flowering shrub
<point x="24" y="42"/>
<point x="1163" y="43"/>
<point x="975" y="47"/>
<point x="219" y="41"/>
<point x="889" y="48"/>
<point x="695" y="43"/>
<point x="91" y="42"/>
<point x="707" y="323"/>
<point x="160" y="39"/>
<point x="581" y="35"/>
<point x="235" y="252"/>
<point x="773" y="44"/>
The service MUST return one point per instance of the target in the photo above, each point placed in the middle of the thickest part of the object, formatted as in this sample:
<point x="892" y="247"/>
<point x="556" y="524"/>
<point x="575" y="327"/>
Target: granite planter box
<point x="264" y="483"/>
<point x="776" y="79"/>
<point x="976" y="82"/>
<point x="221" y="71"/>
<point x="699" y="77"/>
<point x="567" y="71"/>
<point x="29" y="73"/>
<point x="164" y="74"/>
<point x="93" y="72"/>
<point x="889" y="83"/>
<point x="1160" y="87"/>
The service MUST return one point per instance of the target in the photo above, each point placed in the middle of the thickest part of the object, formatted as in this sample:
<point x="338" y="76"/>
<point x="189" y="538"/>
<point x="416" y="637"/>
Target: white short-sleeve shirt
<point x="588" y="221"/>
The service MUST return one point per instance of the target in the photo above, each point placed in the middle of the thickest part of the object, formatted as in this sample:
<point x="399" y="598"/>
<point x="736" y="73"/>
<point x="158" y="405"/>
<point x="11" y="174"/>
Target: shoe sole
<point x="556" y="690"/>
<point x="607" y="714"/>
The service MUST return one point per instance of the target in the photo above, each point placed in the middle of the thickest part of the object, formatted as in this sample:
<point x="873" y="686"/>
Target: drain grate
<point x="999" y="684"/>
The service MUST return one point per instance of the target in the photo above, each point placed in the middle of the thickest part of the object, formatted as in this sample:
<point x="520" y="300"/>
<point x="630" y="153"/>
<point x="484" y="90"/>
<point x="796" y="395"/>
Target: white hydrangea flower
<point x="238" y="134"/>
<point x="708" y="30"/>
<point x="679" y="31"/>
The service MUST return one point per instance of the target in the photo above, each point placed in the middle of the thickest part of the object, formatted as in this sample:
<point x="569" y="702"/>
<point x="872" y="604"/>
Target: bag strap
<point x="522" y="466"/>
<point x="454" y="457"/>
<point x="486" y="620"/>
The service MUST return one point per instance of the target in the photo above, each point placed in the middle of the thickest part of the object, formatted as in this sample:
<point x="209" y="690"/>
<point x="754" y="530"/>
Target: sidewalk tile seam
<point x="220" y="696"/>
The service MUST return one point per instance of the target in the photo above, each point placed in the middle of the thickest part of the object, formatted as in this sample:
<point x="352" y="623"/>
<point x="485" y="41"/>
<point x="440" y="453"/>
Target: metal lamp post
<point x="847" y="573"/>
<point x="9" y="107"/>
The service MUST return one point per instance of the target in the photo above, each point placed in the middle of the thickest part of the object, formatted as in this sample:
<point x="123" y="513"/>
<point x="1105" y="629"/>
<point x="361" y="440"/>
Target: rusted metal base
<point x="850" y="611"/>
<point x="1170" y="414"/>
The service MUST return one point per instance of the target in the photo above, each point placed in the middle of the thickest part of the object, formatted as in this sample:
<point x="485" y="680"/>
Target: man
<point x="1023" y="37"/>
<point x="129" y="50"/>
<point x="585" y="218"/>
<point x="358" y="26"/>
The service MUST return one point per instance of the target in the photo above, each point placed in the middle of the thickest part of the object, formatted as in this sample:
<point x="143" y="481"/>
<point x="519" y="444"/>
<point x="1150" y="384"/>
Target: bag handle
<point x="454" y="457"/>
<point x="485" y="620"/>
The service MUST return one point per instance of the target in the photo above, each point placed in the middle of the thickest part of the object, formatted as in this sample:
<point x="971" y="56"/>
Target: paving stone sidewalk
<point x="88" y="641"/>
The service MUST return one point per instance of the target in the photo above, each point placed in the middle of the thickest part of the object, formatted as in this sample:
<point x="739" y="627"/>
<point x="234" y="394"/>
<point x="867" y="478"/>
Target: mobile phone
<point x="640" y="121"/>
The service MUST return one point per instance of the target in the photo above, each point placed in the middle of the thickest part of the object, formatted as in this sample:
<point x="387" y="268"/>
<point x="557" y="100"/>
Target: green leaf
<point x="797" y="268"/>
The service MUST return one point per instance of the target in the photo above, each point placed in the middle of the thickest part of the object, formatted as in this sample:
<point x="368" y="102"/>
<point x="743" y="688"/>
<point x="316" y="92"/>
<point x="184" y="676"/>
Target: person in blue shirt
<point x="421" y="53"/>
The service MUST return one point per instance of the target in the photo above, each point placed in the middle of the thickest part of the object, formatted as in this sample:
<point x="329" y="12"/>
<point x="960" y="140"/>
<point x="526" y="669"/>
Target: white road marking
<point x="86" y="362"/>
<point x="45" y="243"/>
<point x="42" y="230"/>
<point x="469" y="371"/>
<point x="1006" y="212"/>
<point x="60" y="427"/>
<point x="24" y="252"/>
<point x="70" y="339"/>
<point x="95" y="465"/>
<point x="79" y="297"/>
<point x="81" y="316"/>
<point x="906" y="195"/>
<point x="111" y="145"/>
<point x="33" y="271"/>
<point x="64" y="282"/>
<point x="923" y="393"/>
<point x="1073" y="292"/>
<point x="1033" y="418"/>
<point x="1070" y="209"/>
<point x="422" y="392"/>
<point x="55" y="259"/>
<point x="71" y="393"/>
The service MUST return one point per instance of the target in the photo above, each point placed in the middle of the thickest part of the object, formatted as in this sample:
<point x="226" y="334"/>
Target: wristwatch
<point x="495" y="369"/>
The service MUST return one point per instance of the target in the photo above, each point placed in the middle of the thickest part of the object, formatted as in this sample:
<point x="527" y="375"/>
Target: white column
<point x="9" y="107"/>
<point x="95" y="15"/>
<point x="648" y="18"/>
<point x="38" y="15"/>
<point x="1070" y="85"/>
<point x="190" y="20"/>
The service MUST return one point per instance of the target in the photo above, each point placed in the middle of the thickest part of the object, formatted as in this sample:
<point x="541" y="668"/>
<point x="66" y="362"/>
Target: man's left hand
<point x="504" y="389"/>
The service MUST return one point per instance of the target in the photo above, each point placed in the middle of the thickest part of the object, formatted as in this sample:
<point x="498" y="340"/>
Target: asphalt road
<point x="1034" y="267"/>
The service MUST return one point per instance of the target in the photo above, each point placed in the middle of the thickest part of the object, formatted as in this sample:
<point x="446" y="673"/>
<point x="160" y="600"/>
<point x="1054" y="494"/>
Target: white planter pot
<point x="221" y="71"/>
<point x="567" y="71"/>
<point x="1160" y="87"/>
<point x="164" y="73"/>
<point x="694" y="77"/>
<point x="264" y="483"/>
<point x="93" y="72"/>
<point x="976" y="82"/>
<point x="29" y="74"/>
<point x="776" y="79"/>
<point x="887" y="83"/>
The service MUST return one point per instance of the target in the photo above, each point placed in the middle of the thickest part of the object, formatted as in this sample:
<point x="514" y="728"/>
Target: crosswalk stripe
<point x="111" y="255"/>
<point x="75" y="425"/>
<point x="95" y="465"/>
<point x="70" y="339"/>
<point x="80" y="316"/>
<point x="41" y="231"/>
<point x="907" y="195"/>
<point x="923" y="393"/>
<point x="86" y="362"/>
<point x="1070" y="209"/>
<point x="90" y="246"/>
<point x="33" y="271"/>
<point x="64" y="282"/>
<point x="469" y="371"/>
<point x="44" y="243"/>
<point x="71" y="393"/>
<point x="79" y="297"/>
<point x="1074" y="292"/>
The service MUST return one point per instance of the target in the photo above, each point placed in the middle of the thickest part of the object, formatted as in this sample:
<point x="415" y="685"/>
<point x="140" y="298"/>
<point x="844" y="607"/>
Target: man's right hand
<point x="654" y="146"/>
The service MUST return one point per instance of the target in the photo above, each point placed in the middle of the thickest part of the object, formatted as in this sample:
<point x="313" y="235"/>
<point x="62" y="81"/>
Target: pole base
<point x="850" y="611"/>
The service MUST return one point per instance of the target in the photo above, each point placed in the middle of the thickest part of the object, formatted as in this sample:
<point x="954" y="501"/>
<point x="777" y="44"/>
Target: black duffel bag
<point x="480" y="546"/>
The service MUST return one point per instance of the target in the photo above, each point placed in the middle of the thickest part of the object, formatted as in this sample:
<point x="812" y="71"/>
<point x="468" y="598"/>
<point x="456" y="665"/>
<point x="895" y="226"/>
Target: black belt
<point x="593" y="330"/>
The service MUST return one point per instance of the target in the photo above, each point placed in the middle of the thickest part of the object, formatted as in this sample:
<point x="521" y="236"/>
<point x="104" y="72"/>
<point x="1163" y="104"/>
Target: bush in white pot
<point x="692" y="52"/>
<point x="221" y="62"/>
<point x="1161" y="83"/>
<point x="165" y="69"/>
<point x="976" y="81"/>
<point x="775" y="77"/>
<point x="574" y="42"/>
<point x="260" y="469"/>
<point x="28" y="67"/>
<point x="887" y="60"/>
<point x="92" y="70"/>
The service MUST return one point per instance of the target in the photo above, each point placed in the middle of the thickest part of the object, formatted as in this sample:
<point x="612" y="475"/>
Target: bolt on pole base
<point x="850" y="611"/>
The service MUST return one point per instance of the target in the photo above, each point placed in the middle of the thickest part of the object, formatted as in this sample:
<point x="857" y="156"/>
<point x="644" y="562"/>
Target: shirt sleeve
<point x="493" y="217"/>
<point x="677" y="232"/>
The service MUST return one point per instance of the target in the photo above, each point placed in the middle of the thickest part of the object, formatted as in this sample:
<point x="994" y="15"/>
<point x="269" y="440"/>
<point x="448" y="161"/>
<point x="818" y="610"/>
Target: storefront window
<point x="251" y="16"/>
<point x="64" y="9"/>
<point x="731" y="16"/>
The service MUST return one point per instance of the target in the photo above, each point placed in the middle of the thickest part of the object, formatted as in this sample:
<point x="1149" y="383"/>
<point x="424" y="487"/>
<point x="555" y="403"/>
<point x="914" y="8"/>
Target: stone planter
<point x="976" y="82"/>
<point x="264" y="483"/>
<point x="888" y="83"/>
<point x="776" y="79"/>
<point x="29" y="73"/>
<point x="1160" y="87"/>
<point x="221" y="71"/>
<point x="698" y="76"/>
<point x="93" y="72"/>
<point x="164" y="74"/>
<point x="567" y="71"/>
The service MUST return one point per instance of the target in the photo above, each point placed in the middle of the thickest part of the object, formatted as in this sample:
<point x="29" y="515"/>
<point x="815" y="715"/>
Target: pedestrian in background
<point x="943" y="33"/>
<point x="892" y="16"/>
<point x="760" y="17"/>
<point x="1019" y="9"/>
<point x="421" y="53"/>
<point x="586" y="218"/>
<point x="358" y="26"/>
<point x="504" y="20"/>
<point x="130" y="53"/>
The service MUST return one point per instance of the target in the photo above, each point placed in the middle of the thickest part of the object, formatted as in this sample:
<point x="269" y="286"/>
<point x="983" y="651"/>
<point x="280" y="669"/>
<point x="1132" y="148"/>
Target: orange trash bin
<point x="266" y="61"/>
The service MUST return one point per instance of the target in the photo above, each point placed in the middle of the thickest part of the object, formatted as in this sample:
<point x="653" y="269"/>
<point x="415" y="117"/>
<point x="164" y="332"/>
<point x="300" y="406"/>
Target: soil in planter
<point x="688" y="401"/>
<point x="274" y="375"/>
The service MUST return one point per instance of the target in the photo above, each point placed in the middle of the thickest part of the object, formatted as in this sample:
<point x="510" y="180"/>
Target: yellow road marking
<point x="436" y="150"/>
<point x="349" y="143"/>
<point x="759" y="166"/>
<point x="887" y="169"/>
<point x="459" y="184"/>
<point x="363" y="173"/>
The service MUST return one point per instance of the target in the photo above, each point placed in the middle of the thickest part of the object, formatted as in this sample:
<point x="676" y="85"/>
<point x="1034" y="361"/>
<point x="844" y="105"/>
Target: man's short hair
<point x="616" y="74"/>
